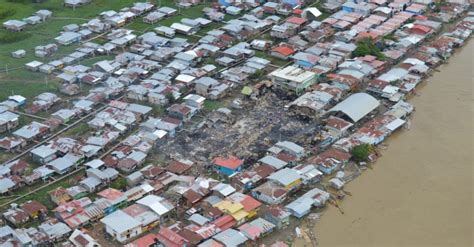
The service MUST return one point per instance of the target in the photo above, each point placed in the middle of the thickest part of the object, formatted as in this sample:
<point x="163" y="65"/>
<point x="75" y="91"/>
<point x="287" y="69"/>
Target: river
<point x="420" y="192"/>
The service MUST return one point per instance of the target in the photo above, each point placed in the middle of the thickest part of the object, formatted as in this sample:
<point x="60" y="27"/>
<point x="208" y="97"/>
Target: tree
<point x="257" y="75"/>
<point x="367" y="47"/>
<point x="360" y="152"/>
<point x="169" y="96"/>
<point x="119" y="183"/>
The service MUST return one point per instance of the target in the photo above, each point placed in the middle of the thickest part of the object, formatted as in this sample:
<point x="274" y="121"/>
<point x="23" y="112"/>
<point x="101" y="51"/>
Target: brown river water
<point x="420" y="192"/>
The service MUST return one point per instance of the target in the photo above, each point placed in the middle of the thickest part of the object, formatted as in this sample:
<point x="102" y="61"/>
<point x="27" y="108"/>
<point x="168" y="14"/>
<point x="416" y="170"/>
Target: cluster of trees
<point x="361" y="152"/>
<point x="368" y="47"/>
<point x="11" y="37"/>
<point x="6" y="12"/>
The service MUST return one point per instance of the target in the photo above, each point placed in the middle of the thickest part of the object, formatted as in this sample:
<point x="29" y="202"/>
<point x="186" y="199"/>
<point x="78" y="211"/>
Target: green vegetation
<point x="9" y="37"/>
<point x="42" y="194"/>
<point x="6" y="12"/>
<point x="27" y="89"/>
<point x="361" y="152"/>
<point x="169" y="96"/>
<point x="210" y="105"/>
<point x="367" y="47"/>
<point x="257" y="75"/>
<point x="274" y="60"/>
<point x="390" y="36"/>
<point x="78" y="130"/>
<point x="120" y="183"/>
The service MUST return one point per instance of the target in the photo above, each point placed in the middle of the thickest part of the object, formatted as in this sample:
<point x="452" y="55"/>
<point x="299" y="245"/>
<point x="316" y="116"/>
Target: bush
<point x="367" y="47"/>
<point x="360" y="152"/>
<point x="21" y="1"/>
<point x="10" y="37"/>
<point x="6" y="12"/>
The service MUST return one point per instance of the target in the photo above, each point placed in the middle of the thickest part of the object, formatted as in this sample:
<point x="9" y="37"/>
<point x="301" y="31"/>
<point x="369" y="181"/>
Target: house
<point x="249" y="204"/>
<point x="8" y="121"/>
<point x="338" y="127"/>
<point x="179" y="167"/>
<point x="230" y="238"/>
<point x="291" y="148"/>
<point x="271" y="7"/>
<point x="121" y="226"/>
<point x="68" y="38"/>
<point x="6" y="184"/>
<point x="306" y="60"/>
<point x="227" y="165"/>
<point x="293" y="79"/>
<point x="256" y="228"/>
<point x="16" y="216"/>
<point x="44" y="14"/>
<point x="283" y="31"/>
<point x="162" y="207"/>
<point x="232" y="10"/>
<point x="76" y="192"/>
<point x="19" y="53"/>
<point x="270" y="193"/>
<point x="274" y="162"/>
<point x="329" y="160"/>
<point x="43" y="154"/>
<point x="32" y="131"/>
<point x="166" y="31"/>
<point x="82" y="238"/>
<point x="184" y="29"/>
<point x="64" y="164"/>
<point x="14" y="25"/>
<point x="302" y="205"/>
<point x="59" y="196"/>
<point x="54" y="229"/>
<point x="182" y="112"/>
<point x="134" y="178"/>
<point x="195" y="101"/>
<point x="167" y="11"/>
<point x="153" y="17"/>
<point x="34" y="209"/>
<point x="75" y="3"/>
<point x="277" y="215"/>
<point x="282" y="52"/>
<point x="286" y="177"/>
<point x="168" y="237"/>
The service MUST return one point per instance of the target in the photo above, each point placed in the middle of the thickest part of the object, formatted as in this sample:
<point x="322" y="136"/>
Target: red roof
<point x="297" y="11"/>
<point x="424" y="29"/>
<point x="225" y="222"/>
<point x="110" y="194"/>
<point x="250" y="204"/>
<point x="421" y="17"/>
<point x="144" y="241"/>
<point x="296" y="20"/>
<point x="177" y="167"/>
<point x="170" y="238"/>
<point x="230" y="162"/>
<point x="284" y="50"/>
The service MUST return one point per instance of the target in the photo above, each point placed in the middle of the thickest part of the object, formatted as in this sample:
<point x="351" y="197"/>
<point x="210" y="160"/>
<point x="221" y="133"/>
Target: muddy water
<point x="420" y="192"/>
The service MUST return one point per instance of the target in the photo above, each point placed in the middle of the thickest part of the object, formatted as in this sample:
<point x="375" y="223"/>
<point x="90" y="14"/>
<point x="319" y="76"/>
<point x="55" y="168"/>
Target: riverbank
<point x="420" y="191"/>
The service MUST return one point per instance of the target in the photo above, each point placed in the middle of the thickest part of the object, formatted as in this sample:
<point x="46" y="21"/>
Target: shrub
<point x="367" y="47"/>
<point x="6" y="12"/>
<point x="10" y="37"/>
<point x="360" y="152"/>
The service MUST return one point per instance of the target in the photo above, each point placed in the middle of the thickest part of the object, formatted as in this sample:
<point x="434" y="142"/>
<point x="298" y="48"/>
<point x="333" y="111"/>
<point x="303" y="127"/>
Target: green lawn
<point x="274" y="60"/>
<point x="42" y="195"/>
<point x="78" y="131"/>
<point x="28" y="83"/>
<point x="210" y="105"/>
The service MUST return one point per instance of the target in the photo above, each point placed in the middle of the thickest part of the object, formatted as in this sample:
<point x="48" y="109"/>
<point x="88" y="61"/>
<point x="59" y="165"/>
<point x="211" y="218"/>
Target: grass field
<point x="18" y="80"/>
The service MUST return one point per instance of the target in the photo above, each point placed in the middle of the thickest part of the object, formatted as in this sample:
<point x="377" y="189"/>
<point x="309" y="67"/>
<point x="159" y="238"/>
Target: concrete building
<point x="293" y="79"/>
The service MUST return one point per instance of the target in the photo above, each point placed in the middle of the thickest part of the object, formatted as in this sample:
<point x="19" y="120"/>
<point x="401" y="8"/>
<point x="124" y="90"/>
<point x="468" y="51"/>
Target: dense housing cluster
<point x="216" y="130"/>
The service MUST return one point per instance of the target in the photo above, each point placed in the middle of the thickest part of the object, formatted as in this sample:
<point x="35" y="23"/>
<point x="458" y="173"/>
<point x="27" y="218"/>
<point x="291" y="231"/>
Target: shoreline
<point x="389" y="142"/>
<point x="383" y="147"/>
